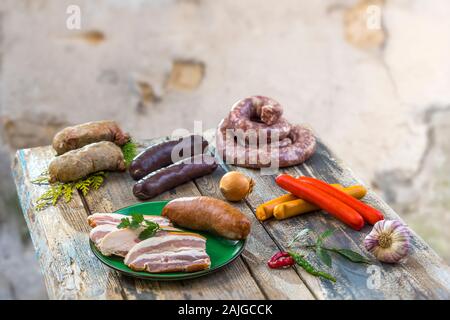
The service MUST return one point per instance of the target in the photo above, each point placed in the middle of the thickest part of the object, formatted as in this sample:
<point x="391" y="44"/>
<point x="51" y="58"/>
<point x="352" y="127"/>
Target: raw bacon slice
<point x="99" y="232"/>
<point x="114" y="219"/>
<point x="119" y="242"/>
<point x="170" y="252"/>
<point x="169" y="261"/>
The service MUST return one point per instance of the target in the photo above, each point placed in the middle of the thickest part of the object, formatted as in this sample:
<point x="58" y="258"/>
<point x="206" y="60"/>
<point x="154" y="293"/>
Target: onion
<point x="235" y="186"/>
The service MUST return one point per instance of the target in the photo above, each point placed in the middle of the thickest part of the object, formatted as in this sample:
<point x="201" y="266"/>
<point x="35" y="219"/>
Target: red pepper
<point x="323" y="200"/>
<point x="371" y="215"/>
<point x="281" y="259"/>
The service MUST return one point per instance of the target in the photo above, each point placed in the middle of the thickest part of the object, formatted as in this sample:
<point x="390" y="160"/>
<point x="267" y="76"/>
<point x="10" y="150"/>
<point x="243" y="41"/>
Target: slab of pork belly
<point x="167" y="242"/>
<point x="119" y="242"/>
<point x="186" y="260"/>
<point x="99" y="232"/>
<point x="97" y="219"/>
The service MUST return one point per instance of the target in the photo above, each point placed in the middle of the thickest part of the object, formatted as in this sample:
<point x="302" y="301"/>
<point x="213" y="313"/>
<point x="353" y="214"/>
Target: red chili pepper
<point x="371" y="215"/>
<point x="281" y="259"/>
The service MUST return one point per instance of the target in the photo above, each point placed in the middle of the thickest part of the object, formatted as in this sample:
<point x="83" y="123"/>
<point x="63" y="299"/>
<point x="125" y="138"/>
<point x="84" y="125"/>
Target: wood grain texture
<point x="422" y="276"/>
<point x="232" y="282"/>
<point x="276" y="284"/>
<point x="60" y="236"/>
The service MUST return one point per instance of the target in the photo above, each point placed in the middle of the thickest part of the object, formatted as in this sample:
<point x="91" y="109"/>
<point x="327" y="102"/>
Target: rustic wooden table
<point x="70" y="270"/>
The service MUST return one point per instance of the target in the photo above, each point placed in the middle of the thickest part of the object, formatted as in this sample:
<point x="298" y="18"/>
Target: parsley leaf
<point x="150" y="231"/>
<point x="138" y="221"/>
<point x="139" y="218"/>
<point x="124" y="223"/>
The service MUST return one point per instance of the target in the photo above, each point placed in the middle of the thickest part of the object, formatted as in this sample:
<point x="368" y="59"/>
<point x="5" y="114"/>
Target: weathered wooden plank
<point x="231" y="282"/>
<point x="59" y="235"/>
<point x="72" y="272"/>
<point x="276" y="284"/>
<point x="423" y="275"/>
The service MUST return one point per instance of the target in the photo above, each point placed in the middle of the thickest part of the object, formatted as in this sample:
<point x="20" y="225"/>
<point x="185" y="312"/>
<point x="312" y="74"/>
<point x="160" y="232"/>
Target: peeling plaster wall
<point x="156" y="66"/>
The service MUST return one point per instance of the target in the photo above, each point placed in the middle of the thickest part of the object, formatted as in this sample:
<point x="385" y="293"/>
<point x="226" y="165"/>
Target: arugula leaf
<point x="351" y="255"/>
<point x="324" y="256"/>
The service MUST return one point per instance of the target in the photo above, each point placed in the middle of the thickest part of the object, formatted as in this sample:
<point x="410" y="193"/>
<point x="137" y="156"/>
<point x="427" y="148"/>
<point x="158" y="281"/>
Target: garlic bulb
<point x="389" y="241"/>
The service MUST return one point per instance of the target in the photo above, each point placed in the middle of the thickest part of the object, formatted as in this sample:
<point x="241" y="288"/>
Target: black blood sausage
<point x="174" y="175"/>
<point x="160" y="155"/>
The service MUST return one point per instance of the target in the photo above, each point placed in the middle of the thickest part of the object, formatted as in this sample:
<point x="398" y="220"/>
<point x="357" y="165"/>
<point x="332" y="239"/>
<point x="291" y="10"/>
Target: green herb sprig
<point x="137" y="221"/>
<point x="323" y="252"/>
<point x="302" y="262"/>
<point x="129" y="151"/>
<point x="59" y="190"/>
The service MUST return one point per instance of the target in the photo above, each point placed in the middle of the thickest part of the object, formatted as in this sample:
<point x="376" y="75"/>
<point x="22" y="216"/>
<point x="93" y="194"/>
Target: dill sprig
<point x="59" y="190"/>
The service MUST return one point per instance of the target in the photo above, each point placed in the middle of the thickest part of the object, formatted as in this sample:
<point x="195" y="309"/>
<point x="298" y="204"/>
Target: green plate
<point x="221" y="251"/>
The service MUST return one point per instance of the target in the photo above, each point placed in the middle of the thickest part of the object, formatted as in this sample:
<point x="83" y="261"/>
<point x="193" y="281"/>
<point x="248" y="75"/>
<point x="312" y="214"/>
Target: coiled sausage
<point x="276" y="139"/>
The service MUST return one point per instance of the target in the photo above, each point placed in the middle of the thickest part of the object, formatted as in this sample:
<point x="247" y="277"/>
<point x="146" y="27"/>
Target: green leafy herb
<point x="324" y="256"/>
<point x="150" y="231"/>
<point x="325" y="234"/>
<point x="301" y="234"/>
<point x="323" y="252"/>
<point x="124" y="223"/>
<point x="59" y="190"/>
<point x="302" y="262"/>
<point x="136" y="221"/>
<point x="139" y="218"/>
<point x="350" y="255"/>
<point x="129" y="151"/>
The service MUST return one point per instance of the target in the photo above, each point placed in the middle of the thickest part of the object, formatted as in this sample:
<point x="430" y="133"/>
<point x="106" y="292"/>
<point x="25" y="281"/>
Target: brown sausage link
<point x="78" y="136"/>
<point x="174" y="175"/>
<point x="294" y="148"/>
<point x="160" y="155"/>
<point x="208" y="214"/>
<point x="79" y="163"/>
